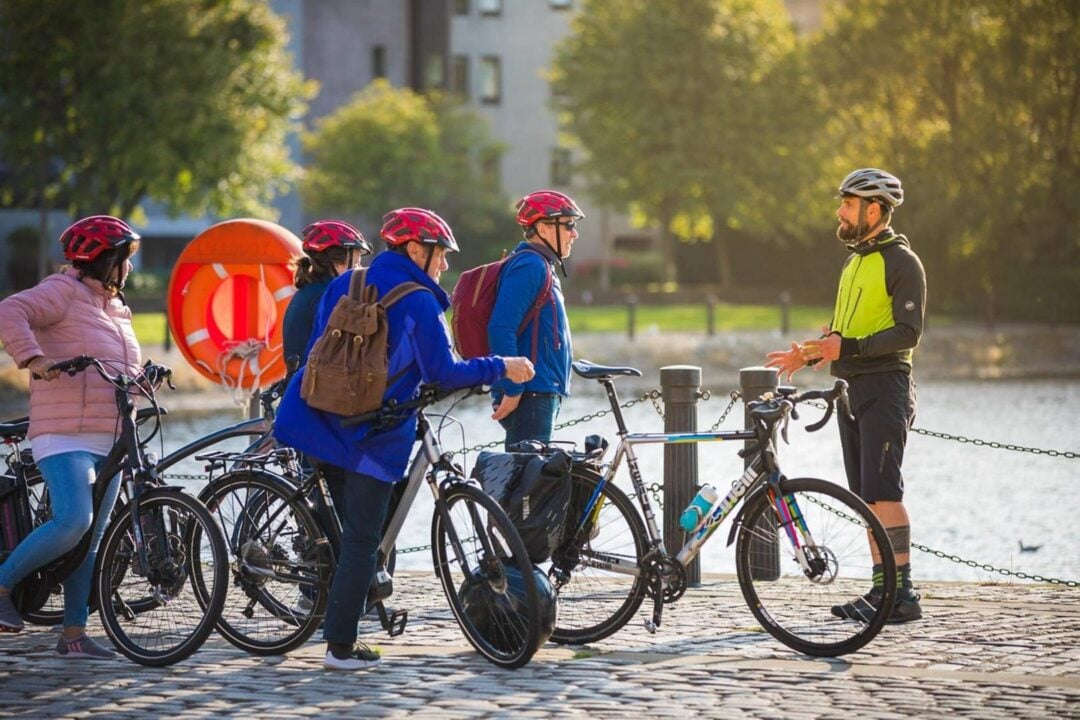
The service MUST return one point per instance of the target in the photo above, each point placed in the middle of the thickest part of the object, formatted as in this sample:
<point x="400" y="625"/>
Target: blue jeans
<point x="69" y="478"/>
<point x="534" y="418"/>
<point x="361" y="504"/>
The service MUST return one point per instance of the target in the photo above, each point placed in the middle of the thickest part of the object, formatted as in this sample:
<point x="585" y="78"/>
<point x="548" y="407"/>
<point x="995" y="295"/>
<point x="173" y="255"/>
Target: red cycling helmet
<point x="324" y="234"/>
<point x="545" y="204"/>
<point x="91" y="236"/>
<point x="410" y="224"/>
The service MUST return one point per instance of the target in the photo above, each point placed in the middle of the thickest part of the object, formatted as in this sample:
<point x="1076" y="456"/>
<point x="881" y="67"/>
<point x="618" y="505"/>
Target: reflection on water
<point x="975" y="502"/>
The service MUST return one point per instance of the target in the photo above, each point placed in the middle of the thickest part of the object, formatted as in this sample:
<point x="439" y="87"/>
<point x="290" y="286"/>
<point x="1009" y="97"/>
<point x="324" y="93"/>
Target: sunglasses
<point x="569" y="225"/>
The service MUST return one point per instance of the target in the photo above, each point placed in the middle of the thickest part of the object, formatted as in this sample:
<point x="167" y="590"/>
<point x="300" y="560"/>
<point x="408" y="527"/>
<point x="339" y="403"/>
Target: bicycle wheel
<point x="176" y="529"/>
<point x="832" y="526"/>
<point x="487" y="576"/>
<point x="594" y="601"/>
<point x="280" y="562"/>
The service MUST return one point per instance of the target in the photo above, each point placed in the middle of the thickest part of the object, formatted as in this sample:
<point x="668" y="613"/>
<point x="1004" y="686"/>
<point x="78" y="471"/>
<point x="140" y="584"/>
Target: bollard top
<point x="688" y="376"/>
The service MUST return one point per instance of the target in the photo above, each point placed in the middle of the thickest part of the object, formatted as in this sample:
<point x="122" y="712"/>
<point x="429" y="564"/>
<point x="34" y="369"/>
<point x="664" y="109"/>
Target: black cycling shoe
<point x="861" y="608"/>
<point x="905" y="609"/>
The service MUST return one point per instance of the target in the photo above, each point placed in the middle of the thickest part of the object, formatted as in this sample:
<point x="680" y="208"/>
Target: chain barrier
<point x="980" y="443"/>
<point x="956" y="558"/>
<point x="653" y="395"/>
<point x="735" y="396"/>
<point x="991" y="568"/>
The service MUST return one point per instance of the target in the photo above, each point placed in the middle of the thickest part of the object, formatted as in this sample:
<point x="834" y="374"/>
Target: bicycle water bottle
<point x="698" y="508"/>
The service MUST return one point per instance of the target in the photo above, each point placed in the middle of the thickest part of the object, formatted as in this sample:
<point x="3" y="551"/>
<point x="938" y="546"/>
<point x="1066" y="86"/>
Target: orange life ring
<point x="231" y="321"/>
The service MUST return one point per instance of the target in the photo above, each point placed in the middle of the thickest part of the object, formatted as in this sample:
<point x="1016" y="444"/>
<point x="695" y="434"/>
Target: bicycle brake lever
<point x="784" y="429"/>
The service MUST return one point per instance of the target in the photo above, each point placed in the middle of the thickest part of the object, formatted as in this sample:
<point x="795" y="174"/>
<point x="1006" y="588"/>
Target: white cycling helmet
<point x="871" y="183"/>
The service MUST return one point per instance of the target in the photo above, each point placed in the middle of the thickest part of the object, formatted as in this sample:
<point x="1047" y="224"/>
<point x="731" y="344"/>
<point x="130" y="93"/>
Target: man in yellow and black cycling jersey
<point x="876" y="324"/>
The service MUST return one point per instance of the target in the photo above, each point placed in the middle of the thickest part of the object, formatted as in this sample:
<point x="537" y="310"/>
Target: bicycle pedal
<point x="650" y="626"/>
<point x="393" y="623"/>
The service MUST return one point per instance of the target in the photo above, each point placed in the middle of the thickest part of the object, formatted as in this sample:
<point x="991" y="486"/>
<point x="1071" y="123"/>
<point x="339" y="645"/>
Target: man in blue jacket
<point x="527" y="411"/>
<point x="418" y="350"/>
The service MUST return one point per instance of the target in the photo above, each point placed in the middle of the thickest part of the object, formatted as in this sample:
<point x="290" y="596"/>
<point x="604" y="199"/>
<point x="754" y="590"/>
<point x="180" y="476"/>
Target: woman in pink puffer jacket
<point x="73" y="419"/>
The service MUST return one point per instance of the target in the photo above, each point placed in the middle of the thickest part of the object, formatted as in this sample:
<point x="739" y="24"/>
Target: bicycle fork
<point x="789" y="516"/>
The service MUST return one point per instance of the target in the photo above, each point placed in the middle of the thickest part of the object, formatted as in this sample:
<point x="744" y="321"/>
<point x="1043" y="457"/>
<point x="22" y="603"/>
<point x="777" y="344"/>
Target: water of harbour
<point x="975" y="502"/>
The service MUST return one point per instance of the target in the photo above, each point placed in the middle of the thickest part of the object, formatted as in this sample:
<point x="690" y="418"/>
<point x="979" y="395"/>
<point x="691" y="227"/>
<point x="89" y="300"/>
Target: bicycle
<point x="146" y="552"/>
<point x="610" y="560"/>
<point x="23" y="472"/>
<point x="283" y="548"/>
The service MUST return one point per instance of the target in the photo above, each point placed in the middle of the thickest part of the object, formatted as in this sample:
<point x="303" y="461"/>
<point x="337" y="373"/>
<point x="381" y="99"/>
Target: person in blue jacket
<point x="527" y="411"/>
<point x="330" y="248"/>
<point x="418" y="350"/>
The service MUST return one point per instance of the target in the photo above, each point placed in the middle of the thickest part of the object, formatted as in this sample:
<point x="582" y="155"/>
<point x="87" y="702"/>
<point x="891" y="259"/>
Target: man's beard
<point x="846" y="232"/>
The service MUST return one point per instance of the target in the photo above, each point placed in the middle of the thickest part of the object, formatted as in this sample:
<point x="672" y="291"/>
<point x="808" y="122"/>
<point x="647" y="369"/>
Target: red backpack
<point x="473" y="300"/>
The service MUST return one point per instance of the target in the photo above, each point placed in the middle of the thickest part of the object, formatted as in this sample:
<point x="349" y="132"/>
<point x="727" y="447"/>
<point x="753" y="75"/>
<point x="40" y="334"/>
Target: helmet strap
<point x="430" y="255"/>
<point x="861" y="230"/>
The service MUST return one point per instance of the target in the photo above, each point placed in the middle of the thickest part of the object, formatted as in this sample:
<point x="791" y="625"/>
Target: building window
<point x="434" y="70"/>
<point x="461" y="7"/>
<point x="490" y="169"/>
<point x="561" y="166"/>
<point x="561" y="4"/>
<point x="490" y="80"/>
<point x="461" y="76"/>
<point x="378" y="61"/>
<point x="489" y="7"/>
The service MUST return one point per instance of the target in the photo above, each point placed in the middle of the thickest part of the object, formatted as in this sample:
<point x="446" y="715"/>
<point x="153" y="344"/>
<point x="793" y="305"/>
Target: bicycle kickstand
<point x="393" y="622"/>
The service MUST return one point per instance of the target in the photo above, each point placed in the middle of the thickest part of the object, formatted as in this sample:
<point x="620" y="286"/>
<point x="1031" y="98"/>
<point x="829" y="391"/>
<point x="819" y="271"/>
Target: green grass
<point x="693" y="318"/>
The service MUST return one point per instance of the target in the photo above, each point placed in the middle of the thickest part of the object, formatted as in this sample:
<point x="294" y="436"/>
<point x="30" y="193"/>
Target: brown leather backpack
<point x="347" y="366"/>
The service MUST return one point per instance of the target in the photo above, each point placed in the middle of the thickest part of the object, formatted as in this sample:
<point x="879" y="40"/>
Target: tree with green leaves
<point x="974" y="106"/>
<point x="186" y="102"/>
<point x="392" y="147"/>
<point x="694" y="115"/>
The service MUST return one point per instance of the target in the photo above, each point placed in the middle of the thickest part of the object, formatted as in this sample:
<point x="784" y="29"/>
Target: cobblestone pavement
<point x="986" y="651"/>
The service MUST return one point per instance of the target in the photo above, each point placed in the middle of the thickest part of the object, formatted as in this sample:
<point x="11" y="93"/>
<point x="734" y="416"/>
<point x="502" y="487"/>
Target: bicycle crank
<point x="665" y="582"/>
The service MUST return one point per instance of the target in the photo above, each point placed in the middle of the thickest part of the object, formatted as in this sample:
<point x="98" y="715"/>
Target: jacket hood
<point x="399" y="268"/>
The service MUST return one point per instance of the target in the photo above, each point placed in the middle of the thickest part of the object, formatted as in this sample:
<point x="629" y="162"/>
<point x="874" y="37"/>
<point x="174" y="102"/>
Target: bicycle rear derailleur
<point x="665" y="582"/>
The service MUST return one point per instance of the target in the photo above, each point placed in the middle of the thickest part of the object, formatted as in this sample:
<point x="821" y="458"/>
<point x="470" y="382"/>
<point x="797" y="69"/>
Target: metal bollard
<point x="785" y="312"/>
<point x="681" y="386"/>
<point x="755" y="382"/>
<point x="631" y="315"/>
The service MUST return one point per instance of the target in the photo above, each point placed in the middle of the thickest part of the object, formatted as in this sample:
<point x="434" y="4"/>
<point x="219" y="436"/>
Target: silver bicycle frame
<point x="426" y="455"/>
<point x="625" y="449"/>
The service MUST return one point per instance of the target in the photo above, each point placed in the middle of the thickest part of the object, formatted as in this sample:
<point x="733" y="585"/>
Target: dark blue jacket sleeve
<point x="522" y="279"/>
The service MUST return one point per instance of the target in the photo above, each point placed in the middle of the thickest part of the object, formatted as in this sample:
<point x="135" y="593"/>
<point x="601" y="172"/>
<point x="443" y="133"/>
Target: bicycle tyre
<point x="510" y="634"/>
<point x="186" y="525"/>
<point x="833" y="516"/>
<point x="588" y="594"/>
<point x="296" y="544"/>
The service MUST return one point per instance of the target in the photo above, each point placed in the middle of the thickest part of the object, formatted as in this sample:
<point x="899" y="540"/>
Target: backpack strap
<point x="533" y="315"/>
<point x="358" y="287"/>
<point x="398" y="292"/>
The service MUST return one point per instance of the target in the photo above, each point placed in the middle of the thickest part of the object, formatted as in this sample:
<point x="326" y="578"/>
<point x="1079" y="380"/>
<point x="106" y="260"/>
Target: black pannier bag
<point x="534" y="490"/>
<point x="15" y="519"/>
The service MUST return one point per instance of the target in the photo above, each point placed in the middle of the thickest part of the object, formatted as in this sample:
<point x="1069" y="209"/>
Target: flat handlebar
<point x="393" y="411"/>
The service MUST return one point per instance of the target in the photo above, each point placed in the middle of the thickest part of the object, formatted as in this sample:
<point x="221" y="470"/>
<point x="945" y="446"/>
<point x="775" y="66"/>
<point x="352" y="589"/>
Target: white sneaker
<point x="361" y="658"/>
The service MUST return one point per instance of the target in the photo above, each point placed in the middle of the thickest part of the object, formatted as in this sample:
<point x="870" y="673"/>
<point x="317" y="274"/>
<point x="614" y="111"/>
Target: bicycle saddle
<point x="15" y="430"/>
<point x="592" y="371"/>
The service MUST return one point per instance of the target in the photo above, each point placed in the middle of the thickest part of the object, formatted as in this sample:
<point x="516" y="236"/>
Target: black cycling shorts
<point x="884" y="409"/>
